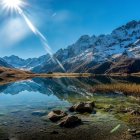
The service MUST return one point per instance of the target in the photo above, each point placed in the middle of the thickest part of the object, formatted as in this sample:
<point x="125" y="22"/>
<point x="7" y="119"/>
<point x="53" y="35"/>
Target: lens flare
<point x="17" y="6"/>
<point x="12" y="4"/>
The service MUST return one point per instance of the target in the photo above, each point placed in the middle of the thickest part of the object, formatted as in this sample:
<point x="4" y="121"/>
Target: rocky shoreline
<point x="98" y="118"/>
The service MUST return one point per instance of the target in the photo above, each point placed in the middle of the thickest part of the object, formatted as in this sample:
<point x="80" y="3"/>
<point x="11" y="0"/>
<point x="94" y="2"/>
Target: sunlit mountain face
<point x="117" y="52"/>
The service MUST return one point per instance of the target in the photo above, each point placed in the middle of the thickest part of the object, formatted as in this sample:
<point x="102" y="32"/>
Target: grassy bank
<point x="118" y="87"/>
<point x="58" y="75"/>
<point x="16" y="73"/>
<point x="8" y="75"/>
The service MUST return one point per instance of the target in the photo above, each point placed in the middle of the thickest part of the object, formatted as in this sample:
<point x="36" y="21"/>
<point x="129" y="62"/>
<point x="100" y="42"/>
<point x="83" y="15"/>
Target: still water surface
<point x="19" y="101"/>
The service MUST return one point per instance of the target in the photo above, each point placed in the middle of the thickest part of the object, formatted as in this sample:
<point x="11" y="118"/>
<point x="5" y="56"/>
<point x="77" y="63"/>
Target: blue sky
<point x="62" y="22"/>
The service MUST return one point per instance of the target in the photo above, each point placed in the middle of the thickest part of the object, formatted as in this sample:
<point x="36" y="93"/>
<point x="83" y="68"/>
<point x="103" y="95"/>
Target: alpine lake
<point x="24" y="108"/>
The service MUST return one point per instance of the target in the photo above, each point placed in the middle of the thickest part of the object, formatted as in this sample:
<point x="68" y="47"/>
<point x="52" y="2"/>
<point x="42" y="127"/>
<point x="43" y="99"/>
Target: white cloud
<point x="13" y="31"/>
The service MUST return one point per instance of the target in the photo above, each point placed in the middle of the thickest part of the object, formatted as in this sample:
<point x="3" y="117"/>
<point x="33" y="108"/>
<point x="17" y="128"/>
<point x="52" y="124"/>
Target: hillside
<point x="13" y="73"/>
<point x="97" y="54"/>
<point x="3" y="63"/>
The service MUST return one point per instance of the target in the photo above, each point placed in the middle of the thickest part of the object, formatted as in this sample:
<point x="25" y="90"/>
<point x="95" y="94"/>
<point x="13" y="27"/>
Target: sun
<point x="12" y="4"/>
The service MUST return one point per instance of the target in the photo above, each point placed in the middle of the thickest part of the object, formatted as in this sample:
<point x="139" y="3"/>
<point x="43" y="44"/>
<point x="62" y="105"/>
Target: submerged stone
<point x="56" y="115"/>
<point x="83" y="107"/>
<point x="70" y="121"/>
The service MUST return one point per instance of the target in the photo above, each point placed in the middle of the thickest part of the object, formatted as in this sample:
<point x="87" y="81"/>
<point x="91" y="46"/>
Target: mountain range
<point x="118" y="52"/>
<point x="3" y="63"/>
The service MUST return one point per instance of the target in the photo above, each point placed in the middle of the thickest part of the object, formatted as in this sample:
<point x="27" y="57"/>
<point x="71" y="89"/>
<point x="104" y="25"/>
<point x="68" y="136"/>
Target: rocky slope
<point x="25" y="63"/>
<point x="3" y="63"/>
<point x="90" y="52"/>
<point x="97" y="54"/>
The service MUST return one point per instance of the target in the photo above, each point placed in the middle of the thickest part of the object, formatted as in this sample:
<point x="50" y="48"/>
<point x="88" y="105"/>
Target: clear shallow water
<point x="19" y="100"/>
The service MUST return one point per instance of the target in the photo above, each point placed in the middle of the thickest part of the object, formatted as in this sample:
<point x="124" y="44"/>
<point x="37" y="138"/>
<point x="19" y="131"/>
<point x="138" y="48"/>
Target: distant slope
<point x="88" y="51"/>
<point x="95" y="54"/>
<point x="15" y="61"/>
<point x="29" y="63"/>
<point x="100" y="68"/>
<point x="3" y="63"/>
<point x="126" y="66"/>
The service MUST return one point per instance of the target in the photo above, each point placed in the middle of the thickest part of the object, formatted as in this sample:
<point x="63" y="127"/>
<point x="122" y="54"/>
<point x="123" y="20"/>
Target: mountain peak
<point x="3" y="63"/>
<point x="87" y="51"/>
<point x="83" y="38"/>
<point x="132" y="24"/>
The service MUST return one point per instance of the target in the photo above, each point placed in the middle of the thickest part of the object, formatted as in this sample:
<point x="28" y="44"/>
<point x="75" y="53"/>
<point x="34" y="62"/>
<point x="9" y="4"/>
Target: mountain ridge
<point x="3" y="63"/>
<point x="89" y="52"/>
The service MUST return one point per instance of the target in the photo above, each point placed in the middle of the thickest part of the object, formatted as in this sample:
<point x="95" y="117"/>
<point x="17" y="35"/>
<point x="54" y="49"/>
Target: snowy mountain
<point x="25" y="63"/>
<point x="3" y="63"/>
<point x="15" y="61"/>
<point x="88" y="53"/>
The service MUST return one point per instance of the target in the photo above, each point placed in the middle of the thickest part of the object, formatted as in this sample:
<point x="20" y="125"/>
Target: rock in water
<point x="70" y="121"/>
<point x="56" y="115"/>
<point x="83" y="107"/>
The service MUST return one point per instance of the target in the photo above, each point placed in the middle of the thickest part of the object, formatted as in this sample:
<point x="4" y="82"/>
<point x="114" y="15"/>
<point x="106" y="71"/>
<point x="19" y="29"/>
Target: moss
<point x="130" y="119"/>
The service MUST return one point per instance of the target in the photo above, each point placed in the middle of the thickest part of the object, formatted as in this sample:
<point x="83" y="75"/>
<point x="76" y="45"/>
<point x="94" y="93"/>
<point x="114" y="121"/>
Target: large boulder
<point x="70" y="121"/>
<point x="83" y="107"/>
<point x="56" y="115"/>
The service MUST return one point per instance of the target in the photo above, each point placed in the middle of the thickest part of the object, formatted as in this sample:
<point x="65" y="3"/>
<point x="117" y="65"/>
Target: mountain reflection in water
<point x="18" y="101"/>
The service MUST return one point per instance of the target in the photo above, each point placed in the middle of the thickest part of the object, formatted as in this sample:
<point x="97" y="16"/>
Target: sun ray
<point x="17" y="6"/>
<point x="12" y="4"/>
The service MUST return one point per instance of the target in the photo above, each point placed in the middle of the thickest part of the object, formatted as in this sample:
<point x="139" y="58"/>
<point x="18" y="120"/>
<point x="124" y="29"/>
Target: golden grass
<point x="119" y="87"/>
<point x="59" y="75"/>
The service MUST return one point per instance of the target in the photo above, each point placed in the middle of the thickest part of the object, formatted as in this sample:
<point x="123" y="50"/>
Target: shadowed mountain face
<point x="113" y="53"/>
<point x="3" y="63"/>
<point x="25" y="63"/>
<point x="123" y="66"/>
